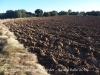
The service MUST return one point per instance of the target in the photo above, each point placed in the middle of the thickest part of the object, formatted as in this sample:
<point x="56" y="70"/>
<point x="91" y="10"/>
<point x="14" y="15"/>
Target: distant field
<point x="62" y="42"/>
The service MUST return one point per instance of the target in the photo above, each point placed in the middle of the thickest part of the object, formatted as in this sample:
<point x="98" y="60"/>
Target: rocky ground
<point x="65" y="45"/>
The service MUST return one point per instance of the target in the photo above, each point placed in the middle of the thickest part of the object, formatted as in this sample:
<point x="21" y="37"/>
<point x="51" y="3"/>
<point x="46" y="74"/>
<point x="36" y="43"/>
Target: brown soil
<point x="62" y="43"/>
<point x="14" y="58"/>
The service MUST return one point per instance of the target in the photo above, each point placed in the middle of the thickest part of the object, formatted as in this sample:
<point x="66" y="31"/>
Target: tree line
<point x="39" y="13"/>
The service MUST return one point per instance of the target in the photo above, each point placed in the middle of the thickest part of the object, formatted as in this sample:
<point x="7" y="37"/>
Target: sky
<point x="50" y="5"/>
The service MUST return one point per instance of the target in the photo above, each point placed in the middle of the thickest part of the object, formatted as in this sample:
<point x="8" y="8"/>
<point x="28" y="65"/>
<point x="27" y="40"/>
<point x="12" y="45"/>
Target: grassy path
<point x="14" y="58"/>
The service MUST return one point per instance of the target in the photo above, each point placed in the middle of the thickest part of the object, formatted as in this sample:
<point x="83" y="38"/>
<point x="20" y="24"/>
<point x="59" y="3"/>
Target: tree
<point x="0" y="15"/>
<point x="93" y="13"/>
<point x="38" y="12"/>
<point x="23" y="13"/>
<point x="62" y="13"/>
<point x="46" y="14"/>
<point x="69" y="11"/>
<point x="18" y="14"/>
<point x="97" y="13"/>
<point x="53" y="13"/>
<point x="82" y="13"/>
<point x="74" y="13"/>
<point x="29" y="14"/>
<point x="10" y="14"/>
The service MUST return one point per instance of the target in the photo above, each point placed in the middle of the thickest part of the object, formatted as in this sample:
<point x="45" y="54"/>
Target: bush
<point x="2" y="73"/>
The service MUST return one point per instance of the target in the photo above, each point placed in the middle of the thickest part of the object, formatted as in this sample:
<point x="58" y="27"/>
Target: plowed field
<point x="65" y="45"/>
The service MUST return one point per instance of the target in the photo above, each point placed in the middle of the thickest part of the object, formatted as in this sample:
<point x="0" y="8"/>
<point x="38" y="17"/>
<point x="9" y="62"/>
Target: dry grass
<point x="14" y="58"/>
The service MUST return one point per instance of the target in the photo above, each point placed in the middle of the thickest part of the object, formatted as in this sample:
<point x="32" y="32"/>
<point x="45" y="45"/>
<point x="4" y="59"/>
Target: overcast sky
<point x="49" y="5"/>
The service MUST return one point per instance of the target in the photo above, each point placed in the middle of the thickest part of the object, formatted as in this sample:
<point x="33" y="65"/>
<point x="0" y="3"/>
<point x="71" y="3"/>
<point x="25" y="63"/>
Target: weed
<point x="2" y="73"/>
<point x="0" y="33"/>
